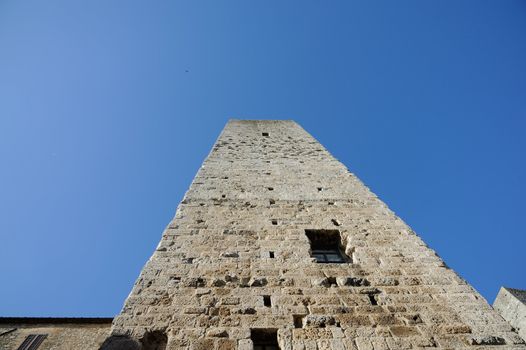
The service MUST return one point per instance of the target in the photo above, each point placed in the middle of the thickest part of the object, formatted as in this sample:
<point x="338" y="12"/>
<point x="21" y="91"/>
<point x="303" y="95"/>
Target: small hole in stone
<point x="270" y="188"/>
<point x="271" y="254"/>
<point x="223" y="196"/>
<point x="264" y="134"/>
<point x="274" y="222"/>
<point x="372" y="299"/>
<point x="272" y="202"/>
<point x="298" y="321"/>
<point x="320" y="189"/>
<point x="266" y="301"/>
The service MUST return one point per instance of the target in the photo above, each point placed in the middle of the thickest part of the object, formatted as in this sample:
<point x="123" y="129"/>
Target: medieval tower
<point x="276" y="245"/>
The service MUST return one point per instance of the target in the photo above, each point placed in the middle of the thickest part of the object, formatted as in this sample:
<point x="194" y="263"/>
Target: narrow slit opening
<point x="298" y="321"/>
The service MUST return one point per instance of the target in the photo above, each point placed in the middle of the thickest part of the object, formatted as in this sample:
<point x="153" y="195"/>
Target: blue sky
<point x="108" y="108"/>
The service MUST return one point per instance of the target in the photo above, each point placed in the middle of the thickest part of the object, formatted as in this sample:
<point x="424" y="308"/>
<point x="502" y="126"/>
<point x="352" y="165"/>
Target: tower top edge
<point x="259" y="121"/>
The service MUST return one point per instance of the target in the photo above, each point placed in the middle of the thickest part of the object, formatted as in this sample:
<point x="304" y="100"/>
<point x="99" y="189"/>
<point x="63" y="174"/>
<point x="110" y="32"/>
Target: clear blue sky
<point x="108" y="108"/>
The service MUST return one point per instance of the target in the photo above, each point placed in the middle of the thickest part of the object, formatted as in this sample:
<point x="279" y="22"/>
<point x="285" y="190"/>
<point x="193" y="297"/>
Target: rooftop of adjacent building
<point x="55" y="320"/>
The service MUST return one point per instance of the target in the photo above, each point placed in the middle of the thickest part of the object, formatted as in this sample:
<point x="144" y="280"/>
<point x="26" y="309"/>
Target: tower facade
<point x="276" y="245"/>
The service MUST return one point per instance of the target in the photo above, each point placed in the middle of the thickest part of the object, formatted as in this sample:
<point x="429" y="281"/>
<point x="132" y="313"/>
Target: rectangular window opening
<point x="270" y="188"/>
<point x="264" y="338"/>
<point x="274" y="222"/>
<point x="264" y="134"/>
<point x="326" y="246"/>
<point x="266" y="301"/>
<point x="271" y="255"/>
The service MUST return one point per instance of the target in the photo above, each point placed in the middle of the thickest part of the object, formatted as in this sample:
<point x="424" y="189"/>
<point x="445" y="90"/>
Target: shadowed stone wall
<point x="236" y="261"/>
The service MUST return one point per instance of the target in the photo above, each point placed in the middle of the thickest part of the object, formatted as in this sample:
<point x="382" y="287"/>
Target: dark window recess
<point x="271" y="254"/>
<point x="274" y="222"/>
<point x="320" y="189"/>
<point x="32" y="342"/>
<point x="264" y="339"/>
<point x="264" y="134"/>
<point x="326" y="246"/>
<point x="298" y="321"/>
<point x="266" y="301"/>
<point x="270" y="188"/>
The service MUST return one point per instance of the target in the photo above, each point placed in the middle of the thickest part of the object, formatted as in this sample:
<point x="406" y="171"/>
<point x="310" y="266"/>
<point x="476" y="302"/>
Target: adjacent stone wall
<point x="263" y="184"/>
<point x="511" y="304"/>
<point x="61" y="334"/>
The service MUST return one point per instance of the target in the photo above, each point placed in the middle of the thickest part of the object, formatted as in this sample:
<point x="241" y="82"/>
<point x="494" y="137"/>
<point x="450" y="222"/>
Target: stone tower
<point x="276" y="245"/>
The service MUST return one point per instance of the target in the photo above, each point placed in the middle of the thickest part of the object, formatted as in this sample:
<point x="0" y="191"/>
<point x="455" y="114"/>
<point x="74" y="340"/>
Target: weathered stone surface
<point x="511" y="304"/>
<point x="61" y="334"/>
<point x="236" y="258"/>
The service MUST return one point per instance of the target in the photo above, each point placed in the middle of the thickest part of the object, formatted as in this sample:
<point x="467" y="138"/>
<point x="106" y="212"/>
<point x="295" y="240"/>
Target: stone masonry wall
<point x="511" y="304"/>
<point x="204" y="286"/>
<point x="59" y="335"/>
